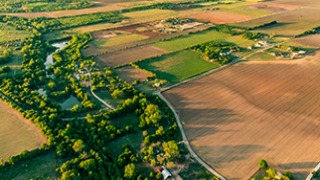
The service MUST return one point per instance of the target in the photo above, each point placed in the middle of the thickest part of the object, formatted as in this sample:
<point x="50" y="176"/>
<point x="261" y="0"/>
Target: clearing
<point x="17" y="133"/>
<point x="252" y="111"/>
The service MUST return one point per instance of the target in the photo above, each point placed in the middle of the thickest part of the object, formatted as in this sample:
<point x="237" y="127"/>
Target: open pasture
<point x="178" y="66"/>
<point x="16" y="133"/>
<point x="252" y="111"/>
<point x="131" y="74"/>
<point x="290" y="23"/>
<point x="8" y="33"/>
<point x="127" y="56"/>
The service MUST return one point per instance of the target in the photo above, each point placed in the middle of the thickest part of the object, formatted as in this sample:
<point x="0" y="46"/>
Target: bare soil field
<point x="252" y="111"/>
<point x="305" y="3"/>
<point x="220" y="17"/>
<point x="274" y="7"/>
<point x="291" y="22"/>
<point x="127" y="56"/>
<point x="16" y="133"/>
<point x="131" y="74"/>
<point x="312" y="41"/>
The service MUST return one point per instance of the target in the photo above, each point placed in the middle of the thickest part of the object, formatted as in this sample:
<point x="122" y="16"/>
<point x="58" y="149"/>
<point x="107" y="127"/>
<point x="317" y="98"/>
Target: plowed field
<point x="252" y="111"/>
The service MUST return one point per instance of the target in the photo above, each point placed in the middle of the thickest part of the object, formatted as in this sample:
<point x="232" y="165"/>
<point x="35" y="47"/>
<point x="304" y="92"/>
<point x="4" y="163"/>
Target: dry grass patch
<point x="127" y="56"/>
<point x="17" y="133"/>
<point x="252" y="111"/>
<point x="131" y="74"/>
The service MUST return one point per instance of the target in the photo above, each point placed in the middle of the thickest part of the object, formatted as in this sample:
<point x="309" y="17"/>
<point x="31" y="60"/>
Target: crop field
<point x="178" y="66"/>
<point x="127" y="56"/>
<point x="290" y="23"/>
<point x="117" y="40"/>
<point x="191" y="40"/>
<point x="220" y="17"/>
<point x="252" y="111"/>
<point x="17" y="134"/>
<point x="8" y="33"/>
<point x="309" y="41"/>
<point x="131" y="74"/>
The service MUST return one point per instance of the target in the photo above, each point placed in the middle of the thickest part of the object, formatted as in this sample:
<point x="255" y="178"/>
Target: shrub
<point x="263" y="164"/>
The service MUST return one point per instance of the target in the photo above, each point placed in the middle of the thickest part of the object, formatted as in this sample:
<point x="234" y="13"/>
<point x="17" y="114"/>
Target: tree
<point x="78" y="146"/>
<point x="171" y="149"/>
<point x="263" y="164"/>
<point x="130" y="171"/>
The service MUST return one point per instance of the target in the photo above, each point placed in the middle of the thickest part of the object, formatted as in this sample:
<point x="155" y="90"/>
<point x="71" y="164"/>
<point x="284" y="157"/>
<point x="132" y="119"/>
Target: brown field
<point x="127" y="56"/>
<point x="312" y="41"/>
<point x="219" y="17"/>
<point x="16" y="133"/>
<point x="274" y="7"/>
<point x="304" y="3"/>
<point x="131" y="74"/>
<point x="252" y="111"/>
<point x="291" y="22"/>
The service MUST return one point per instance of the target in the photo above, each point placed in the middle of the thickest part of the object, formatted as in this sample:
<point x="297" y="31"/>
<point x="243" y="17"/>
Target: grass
<point x="261" y="56"/>
<point x="117" y="40"/>
<point x="17" y="134"/>
<point x="178" y="66"/>
<point x="104" y="95"/>
<point x="70" y="103"/>
<point x="40" y="167"/>
<point x="184" y="42"/>
<point x="8" y="33"/>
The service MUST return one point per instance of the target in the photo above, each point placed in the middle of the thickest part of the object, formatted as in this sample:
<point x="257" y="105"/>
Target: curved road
<point x="94" y="94"/>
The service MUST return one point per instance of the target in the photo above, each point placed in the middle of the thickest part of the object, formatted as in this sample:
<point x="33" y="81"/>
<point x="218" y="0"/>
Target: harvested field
<point x="220" y="17"/>
<point x="274" y="7"/>
<point x="17" y="134"/>
<point x="289" y="22"/>
<point x="127" y="56"/>
<point x="312" y="41"/>
<point x="131" y="74"/>
<point x="252" y="111"/>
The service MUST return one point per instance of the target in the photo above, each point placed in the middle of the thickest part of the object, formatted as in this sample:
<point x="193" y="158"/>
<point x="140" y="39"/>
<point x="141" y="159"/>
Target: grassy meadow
<point x="8" y="33"/>
<point x="117" y="40"/>
<point x="178" y="66"/>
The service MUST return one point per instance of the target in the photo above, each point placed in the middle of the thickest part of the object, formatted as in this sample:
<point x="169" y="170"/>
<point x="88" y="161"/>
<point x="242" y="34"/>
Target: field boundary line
<point x="317" y="168"/>
<point x="186" y="141"/>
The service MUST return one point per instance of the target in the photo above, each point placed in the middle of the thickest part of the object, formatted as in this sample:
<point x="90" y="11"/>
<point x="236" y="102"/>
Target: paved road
<point x="317" y="168"/>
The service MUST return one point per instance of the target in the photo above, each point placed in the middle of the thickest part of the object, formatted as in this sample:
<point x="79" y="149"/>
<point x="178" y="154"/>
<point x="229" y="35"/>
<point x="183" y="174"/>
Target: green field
<point x="8" y="33"/>
<point x="184" y="42"/>
<point x="178" y="66"/>
<point x="261" y="56"/>
<point x="41" y="167"/>
<point x="17" y="134"/>
<point x="117" y="40"/>
<point x="70" y="103"/>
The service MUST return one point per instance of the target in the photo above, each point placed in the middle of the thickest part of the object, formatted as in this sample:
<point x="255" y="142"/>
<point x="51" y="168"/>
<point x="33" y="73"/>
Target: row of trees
<point x="13" y="6"/>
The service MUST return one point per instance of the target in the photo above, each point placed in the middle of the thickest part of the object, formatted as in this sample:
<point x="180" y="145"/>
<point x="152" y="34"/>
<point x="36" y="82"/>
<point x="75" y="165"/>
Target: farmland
<point x="127" y="56"/>
<point x="253" y="111"/>
<point x="130" y="74"/>
<point x="11" y="142"/>
<point x="178" y="66"/>
<point x="8" y="33"/>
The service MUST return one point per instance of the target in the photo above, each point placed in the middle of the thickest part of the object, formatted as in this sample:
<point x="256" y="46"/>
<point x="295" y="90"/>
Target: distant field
<point x="252" y="111"/>
<point x="290" y="23"/>
<point x="128" y="56"/>
<point x="309" y="41"/>
<point x="17" y="134"/>
<point x="8" y="33"/>
<point x="220" y="17"/>
<point x="131" y="74"/>
<point x="178" y="66"/>
<point x="191" y="40"/>
<point x="42" y="167"/>
<point x="117" y="40"/>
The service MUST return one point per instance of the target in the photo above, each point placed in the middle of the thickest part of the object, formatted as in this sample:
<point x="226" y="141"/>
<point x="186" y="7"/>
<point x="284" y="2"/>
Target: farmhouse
<point x="165" y="173"/>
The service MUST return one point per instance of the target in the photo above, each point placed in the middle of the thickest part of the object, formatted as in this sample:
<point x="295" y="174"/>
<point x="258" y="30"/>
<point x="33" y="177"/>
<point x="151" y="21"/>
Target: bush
<point x="263" y="164"/>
